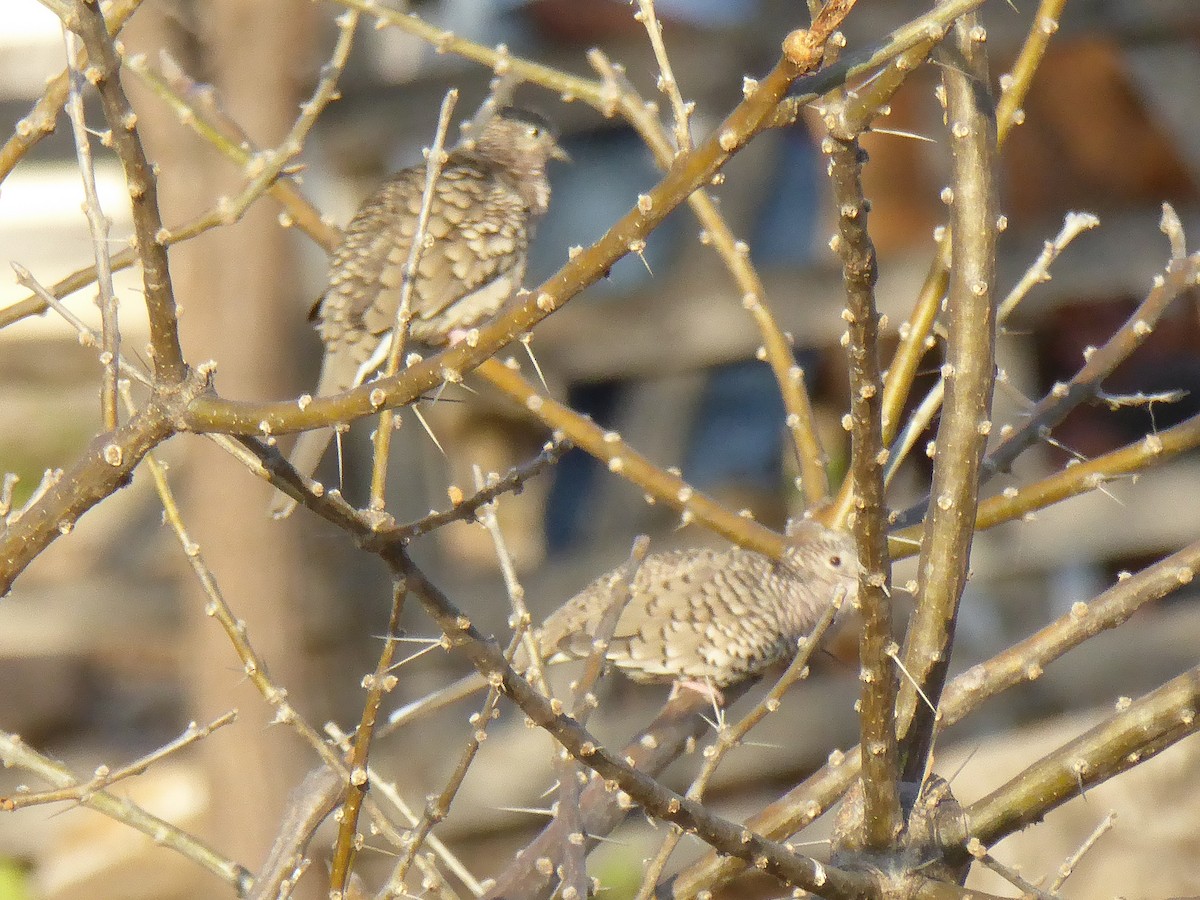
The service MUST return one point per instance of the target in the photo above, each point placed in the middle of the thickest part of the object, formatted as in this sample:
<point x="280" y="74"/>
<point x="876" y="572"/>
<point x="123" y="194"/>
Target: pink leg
<point x="704" y="688"/>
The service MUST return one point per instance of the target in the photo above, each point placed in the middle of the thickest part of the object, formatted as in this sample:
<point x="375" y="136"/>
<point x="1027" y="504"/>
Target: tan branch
<point x="104" y="71"/>
<point x="881" y="794"/>
<point x="99" y="226"/>
<point x="104" y="777"/>
<point x="1139" y="730"/>
<point x="377" y="684"/>
<point x="969" y="371"/>
<point x="387" y="419"/>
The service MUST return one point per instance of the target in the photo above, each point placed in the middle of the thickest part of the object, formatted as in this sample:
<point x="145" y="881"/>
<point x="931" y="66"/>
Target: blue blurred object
<point x="609" y="169"/>
<point x="737" y="437"/>
<point x="578" y="476"/>
<point x="785" y="232"/>
<point x="739" y="428"/>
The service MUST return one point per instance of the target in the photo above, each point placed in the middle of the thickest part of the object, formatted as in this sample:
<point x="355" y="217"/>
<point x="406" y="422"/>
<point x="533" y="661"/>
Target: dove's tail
<point x="339" y="372"/>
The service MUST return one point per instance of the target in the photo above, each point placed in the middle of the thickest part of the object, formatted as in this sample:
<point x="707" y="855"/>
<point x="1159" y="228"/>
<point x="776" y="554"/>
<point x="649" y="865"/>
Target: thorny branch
<point x="1099" y="362"/>
<point x="387" y="419"/>
<point x="377" y="684"/>
<point x="99" y="225"/>
<point x="104" y="70"/>
<point x="969" y="371"/>
<point x="776" y="347"/>
<point x="1139" y="730"/>
<point x="853" y="244"/>
<point x="105" y="777"/>
<point x="176" y="402"/>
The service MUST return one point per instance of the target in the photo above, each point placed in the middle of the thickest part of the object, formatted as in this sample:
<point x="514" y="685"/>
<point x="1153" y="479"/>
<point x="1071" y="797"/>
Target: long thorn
<point x="428" y="430"/>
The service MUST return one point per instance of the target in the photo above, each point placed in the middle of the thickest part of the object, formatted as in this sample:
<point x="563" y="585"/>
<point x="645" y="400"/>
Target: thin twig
<point x="253" y="665"/>
<point x="583" y="703"/>
<point x="387" y="419"/>
<point x="500" y="94"/>
<point x="1069" y="864"/>
<point x="464" y="510"/>
<point x="218" y="609"/>
<point x="609" y="448"/>
<point x="666" y="76"/>
<point x="15" y="752"/>
<point x="377" y="684"/>
<point x="573" y="877"/>
<point x="381" y="786"/>
<point x="1099" y="363"/>
<point x="776" y="347"/>
<point x="1015" y="85"/>
<point x="195" y="106"/>
<point x="87" y="335"/>
<point x="1013" y="877"/>
<point x="437" y="807"/>
<point x="104" y="778"/>
<point x="881" y="791"/>
<point x="99" y="226"/>
<point x="50" y="478"/>
<point x="1074" y="224"/>
<point x="573" y="869"/>
<point x="520" y="620"/>
<point x="308" y="805"/>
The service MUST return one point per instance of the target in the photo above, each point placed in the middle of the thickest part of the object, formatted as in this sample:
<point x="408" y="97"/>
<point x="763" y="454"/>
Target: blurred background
<point x="104" y="650"/>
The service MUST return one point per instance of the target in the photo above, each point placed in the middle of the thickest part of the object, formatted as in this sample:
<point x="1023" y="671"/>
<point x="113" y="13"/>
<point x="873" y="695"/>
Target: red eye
<point x="835" y="561"/>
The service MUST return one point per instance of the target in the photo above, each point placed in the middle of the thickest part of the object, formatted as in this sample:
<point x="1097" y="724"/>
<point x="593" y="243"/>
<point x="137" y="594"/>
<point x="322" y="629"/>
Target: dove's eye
<point x="835" y="561"/>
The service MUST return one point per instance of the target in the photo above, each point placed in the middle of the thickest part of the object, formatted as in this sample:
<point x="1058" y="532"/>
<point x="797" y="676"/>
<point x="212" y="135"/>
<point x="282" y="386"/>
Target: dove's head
<point x="827" y="559"/>
<point x="520" y="143"/>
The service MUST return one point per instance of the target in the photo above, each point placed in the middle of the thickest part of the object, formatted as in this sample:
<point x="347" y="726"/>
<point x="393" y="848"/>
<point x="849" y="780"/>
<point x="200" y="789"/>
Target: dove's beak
<point x="560" y="154"/>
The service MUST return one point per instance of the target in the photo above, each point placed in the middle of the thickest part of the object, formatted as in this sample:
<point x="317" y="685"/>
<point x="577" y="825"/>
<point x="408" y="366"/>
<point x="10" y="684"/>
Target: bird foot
<point x="456" y="336"/>
<point x="703" y="688"/>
